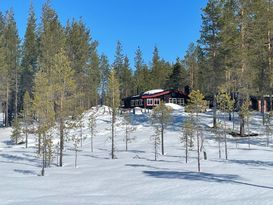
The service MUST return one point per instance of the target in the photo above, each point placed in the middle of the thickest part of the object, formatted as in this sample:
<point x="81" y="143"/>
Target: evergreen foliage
<point x="113" y="99"/>
<point x="161" y="117"/>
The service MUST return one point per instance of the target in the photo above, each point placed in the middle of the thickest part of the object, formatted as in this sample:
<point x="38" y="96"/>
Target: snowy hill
<point x="135" y="178"/>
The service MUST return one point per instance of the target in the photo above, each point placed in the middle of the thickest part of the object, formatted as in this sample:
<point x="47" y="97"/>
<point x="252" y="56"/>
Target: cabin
<point x="152" y="98"/>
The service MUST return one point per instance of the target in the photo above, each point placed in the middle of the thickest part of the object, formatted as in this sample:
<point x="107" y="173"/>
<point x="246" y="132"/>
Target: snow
<point x="151" y="92"/>
<point x="175" y="106"/>
<point x="134" y="177"/>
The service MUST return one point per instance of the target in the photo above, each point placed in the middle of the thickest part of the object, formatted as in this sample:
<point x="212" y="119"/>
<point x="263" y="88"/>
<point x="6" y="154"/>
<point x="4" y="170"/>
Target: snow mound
<point x="138" y="111"/>
<point x="150" y="92"/>
<point x="175" y="106"/>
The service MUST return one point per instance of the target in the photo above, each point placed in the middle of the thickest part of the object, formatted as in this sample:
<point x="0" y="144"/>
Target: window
<point x="140" y="102"/>
<point x="122" y="103"/>
<point x="179" y="101"/>
<point x="136" y="103"/>
<point x="150" y="102"/>
<point x="156" y="101"/>
<point x="132" y="103"/>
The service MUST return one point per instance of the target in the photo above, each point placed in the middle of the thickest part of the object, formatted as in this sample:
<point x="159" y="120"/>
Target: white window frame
<point x="156" y="101"/>
<point x="150" y="102"/>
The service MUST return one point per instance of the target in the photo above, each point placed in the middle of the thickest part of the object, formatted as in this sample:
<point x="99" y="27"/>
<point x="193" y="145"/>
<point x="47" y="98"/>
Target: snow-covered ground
<point x="135" y="178"/>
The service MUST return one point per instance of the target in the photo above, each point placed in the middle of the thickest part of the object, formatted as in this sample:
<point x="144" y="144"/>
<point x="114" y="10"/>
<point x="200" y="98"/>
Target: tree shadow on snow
<point x="25" y="172"/>
<point x="202" y="176"/>
<point x="143" y="165"/>
<point x="255" y="163"/>
<point x="15" y="159"/>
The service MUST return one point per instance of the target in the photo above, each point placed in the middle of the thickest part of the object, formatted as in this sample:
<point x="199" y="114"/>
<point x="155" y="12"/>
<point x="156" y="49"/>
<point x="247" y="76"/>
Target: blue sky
<point x="169" y="24"/>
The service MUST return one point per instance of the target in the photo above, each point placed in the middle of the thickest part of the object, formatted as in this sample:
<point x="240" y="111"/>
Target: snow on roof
<point x="150" y="92"/>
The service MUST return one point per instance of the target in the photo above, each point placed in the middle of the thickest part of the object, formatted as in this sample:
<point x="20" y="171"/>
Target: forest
<point x="56" y="71"/>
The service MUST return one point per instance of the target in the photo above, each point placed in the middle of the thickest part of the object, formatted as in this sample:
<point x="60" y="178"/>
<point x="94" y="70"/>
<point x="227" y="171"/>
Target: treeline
<point x="234" y="51"/>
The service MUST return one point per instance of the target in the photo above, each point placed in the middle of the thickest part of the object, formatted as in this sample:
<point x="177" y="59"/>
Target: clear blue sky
<point x="169" y="24"/>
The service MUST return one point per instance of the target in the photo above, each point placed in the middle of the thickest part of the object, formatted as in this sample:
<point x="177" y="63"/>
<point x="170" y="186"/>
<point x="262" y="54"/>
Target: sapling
<point x="128" y="129"/>
<point x="92" y="126"/>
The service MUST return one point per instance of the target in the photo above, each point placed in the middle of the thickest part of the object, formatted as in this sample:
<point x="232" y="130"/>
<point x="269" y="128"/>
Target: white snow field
<point x="134" y="178"/>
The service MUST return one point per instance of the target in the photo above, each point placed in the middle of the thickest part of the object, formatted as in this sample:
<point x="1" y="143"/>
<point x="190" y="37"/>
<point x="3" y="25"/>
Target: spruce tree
<point x="11" y="43"/>
<point x="177" y="78"/>
<point x="139" y="77"/>
<point x="104" y="73"/>
<point x="29" y="54"/>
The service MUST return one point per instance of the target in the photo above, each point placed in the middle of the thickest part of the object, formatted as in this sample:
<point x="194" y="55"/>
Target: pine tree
<point x="43" y="105"/>
<point x="51" y="38"/>
<point x="4" y="79"/>
<point x="92" y="126"/>
<point x="225" y="104"/>
<point x="128" y="129"/>
<point x="191" y="65"/>
<point x="16" y="135"/>
<point x="160" y="119"/>
<point x="156" y="141"/>
<point x="113" y="98"/>
<point x="210" y="40"/>
<point x="64" y="87"/>
<point x="27" y="114"/>
<point x="187" y="135"/>
<point x="196" y="105"/>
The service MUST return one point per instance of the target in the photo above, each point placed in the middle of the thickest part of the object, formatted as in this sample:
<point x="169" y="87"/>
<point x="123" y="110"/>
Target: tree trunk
<point x="242" y="126"/>
<point x="7" y="107"/>
<point x="126" y="138"/>
<point x="198" y="150"/>
<point x="16" y="92"/>
<point x="155" y="147"/>
<point x="92" y="149"/>
<point x="214" y="111"/>
<point x="225" y="133"/>
<point x="113" y="134"/>
<point x="44" y="157"/>
<point x="186" y="148"/>
<point x="262" y="108"/>
<point x="162" y="139"/>
<point x="219" y="146"/>
<point x="76" y="157"/>
<point x="61" y="140"/>
<point x="26" y="130"/>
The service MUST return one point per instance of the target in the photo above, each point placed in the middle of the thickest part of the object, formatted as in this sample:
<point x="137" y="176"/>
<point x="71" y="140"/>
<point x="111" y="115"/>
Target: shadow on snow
<point x="202" y="176"/>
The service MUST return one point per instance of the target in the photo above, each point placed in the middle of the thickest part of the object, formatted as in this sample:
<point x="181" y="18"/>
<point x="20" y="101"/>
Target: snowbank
<point x="175" y="106"/>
